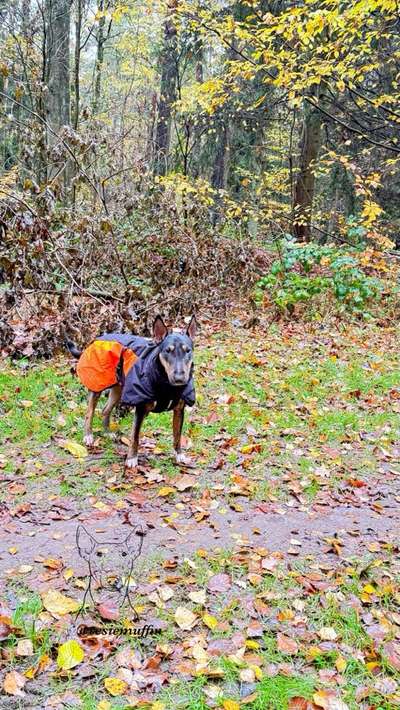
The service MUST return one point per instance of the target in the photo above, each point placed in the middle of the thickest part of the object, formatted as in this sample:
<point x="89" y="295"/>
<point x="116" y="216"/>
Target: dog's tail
<point x="71" y="347"/>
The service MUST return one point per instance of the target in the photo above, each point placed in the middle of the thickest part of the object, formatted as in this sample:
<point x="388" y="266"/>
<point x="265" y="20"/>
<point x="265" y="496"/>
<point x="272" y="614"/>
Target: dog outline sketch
<point x="96" y="555"/>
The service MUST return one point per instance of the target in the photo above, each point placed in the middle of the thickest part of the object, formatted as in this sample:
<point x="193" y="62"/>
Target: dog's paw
<point x="132" y="463"/>
<point x="88" y="440"/>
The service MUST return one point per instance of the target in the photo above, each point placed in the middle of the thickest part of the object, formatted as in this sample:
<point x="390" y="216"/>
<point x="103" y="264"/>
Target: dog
<point x="110" y="566"/>
<point x="152" y="375"/>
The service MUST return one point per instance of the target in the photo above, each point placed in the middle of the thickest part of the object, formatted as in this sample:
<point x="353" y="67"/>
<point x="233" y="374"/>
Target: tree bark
<point x="99" y="57"/>
<point x="57" y="50"/>
<point x="310" y="144"/>
<point x="77" y="61"/>
<point x="167" y="97"/>
<point x="219" y="177"/>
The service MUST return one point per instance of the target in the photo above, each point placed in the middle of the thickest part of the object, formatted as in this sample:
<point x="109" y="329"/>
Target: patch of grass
<point x="185" y="696"/>
<point x="274" y="693"/>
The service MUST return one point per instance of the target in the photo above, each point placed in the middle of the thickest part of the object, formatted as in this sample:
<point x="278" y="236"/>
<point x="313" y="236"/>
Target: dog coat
<point x="133" y="362"/>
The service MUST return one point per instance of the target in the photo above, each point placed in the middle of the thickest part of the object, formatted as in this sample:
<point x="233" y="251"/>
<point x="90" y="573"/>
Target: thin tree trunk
<point x="219" y="177"/>
<point x="77" y="62"/>
<point x="58" y="71"/>
<point x="310" y="144"/>
<point x="99" y="57"/>
<point x="167" y="97"/>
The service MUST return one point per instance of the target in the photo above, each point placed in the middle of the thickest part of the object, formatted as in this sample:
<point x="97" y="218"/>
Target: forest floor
<point x="270" y="567"/>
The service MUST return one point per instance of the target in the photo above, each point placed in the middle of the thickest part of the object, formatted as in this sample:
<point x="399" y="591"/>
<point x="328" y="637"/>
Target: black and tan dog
<point x="152" y="375"/>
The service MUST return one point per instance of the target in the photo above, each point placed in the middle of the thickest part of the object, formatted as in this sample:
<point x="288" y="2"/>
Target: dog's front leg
<point x="177" y="424"/>
<point x="132" y="457"/>
<point x="88" y="438"/>
<point x="113" y="399"/>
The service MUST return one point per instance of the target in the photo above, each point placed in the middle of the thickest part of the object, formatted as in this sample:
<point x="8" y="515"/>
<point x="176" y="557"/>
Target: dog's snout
<point x="179" y="377"/>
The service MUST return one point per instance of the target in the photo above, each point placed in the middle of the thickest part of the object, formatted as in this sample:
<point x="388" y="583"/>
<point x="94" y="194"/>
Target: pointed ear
<point x="84" y="542"/>
<point x="191" y="330"/>
<point x="134" y="542"/>
<point x="160" y="330"/>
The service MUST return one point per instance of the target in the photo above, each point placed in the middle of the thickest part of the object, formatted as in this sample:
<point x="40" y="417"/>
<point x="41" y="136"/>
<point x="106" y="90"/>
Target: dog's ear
<point x="134" y="542"/>
<point x="191" y="330"/>
<point x="84" y="542"/>
<point x="160" y="330"/>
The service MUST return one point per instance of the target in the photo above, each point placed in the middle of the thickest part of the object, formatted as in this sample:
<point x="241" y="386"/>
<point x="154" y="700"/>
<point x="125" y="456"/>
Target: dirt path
<point x="42" y="531"/>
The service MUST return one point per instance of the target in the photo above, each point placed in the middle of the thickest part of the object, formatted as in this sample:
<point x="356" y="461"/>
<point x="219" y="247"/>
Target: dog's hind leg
<point x="88" y="438"/>
<point x="177" y="424"/>
<point x="114" y="396"/>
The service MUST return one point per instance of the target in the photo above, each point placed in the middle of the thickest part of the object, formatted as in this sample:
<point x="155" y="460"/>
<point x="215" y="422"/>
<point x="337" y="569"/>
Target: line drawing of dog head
<point x="110" y="565"/>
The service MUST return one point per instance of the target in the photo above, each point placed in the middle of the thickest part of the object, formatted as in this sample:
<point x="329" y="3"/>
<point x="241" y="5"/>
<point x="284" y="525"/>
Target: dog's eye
<point x="170" y="348"/>
<point x="124" y="554"/>
<point x="99" y="553"/>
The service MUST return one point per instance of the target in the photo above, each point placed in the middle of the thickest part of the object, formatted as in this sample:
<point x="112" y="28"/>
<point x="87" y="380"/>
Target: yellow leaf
<point x="369" y="589"/>
<point x="341" y="664"/>
<point x="185" y="618"/>
<point x="115" y="686"/>
<point x="210" y="621"/>
<point x="103" y="705"/>
<point x="70" y="654"/>
<point x="158" y="705"/>
<point x="166" y="491"/>
<point x="75" y="449"/>
<point x="57" y="603"/>
<point x="252" y="644"/>
<point x="230" y="705"/>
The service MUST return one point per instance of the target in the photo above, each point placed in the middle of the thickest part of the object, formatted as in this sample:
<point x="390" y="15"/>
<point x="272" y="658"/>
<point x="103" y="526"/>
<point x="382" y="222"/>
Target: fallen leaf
<point x="198" y="597"/>
<point x="69" y="655"/>
<point x="115" y="686"/>
<point x="185" y="618"/>
<point x="13" y="683"/>
<point x="166" y="491"/>
<point x="286" y="644"/>
<point x="57" y="603"/>
<point x="75" y="449"/>
<point x="327" y="633"/>
<point x="210" y="621"/>
<point x="326" y="699"/>
<point x="230" y="705"/>
<point x="24" y="648"/>
<point x="219" y="583"/>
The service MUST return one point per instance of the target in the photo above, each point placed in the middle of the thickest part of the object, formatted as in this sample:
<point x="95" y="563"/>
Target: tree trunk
<point x="219" y="175"/>
<point x="167" y="98"/>
<point x="77" y="62"/>
<point x="99" y="57"/>
<point x="58" y="27"/>
<point x="310" y="143"/>
<point x="58" y="73"/>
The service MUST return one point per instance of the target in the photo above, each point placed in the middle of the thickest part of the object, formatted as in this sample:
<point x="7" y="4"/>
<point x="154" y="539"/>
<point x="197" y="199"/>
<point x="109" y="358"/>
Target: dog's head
<point x="110" y="563"/>
<point x="176" y="351"/>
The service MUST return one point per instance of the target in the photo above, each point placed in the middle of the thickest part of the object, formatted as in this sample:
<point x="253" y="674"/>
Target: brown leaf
<point x="326" y="699"/>
<point x="13" y="684"/>
<point x="286" y="644"/>
<point x="392" y="653"/>
<point x="219" y="583"/>
<point x="108" y="611"/>
<point x="298" y="703"/>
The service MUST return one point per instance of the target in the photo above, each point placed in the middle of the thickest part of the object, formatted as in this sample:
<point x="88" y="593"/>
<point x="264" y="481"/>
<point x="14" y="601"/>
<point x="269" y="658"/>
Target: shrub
<point x="302" y="272"/>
